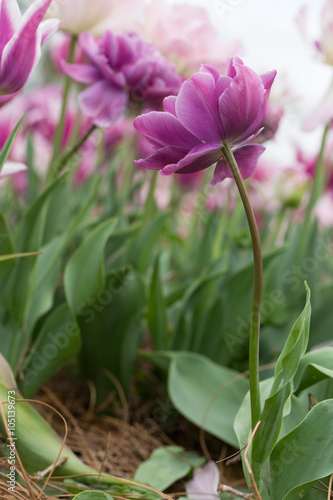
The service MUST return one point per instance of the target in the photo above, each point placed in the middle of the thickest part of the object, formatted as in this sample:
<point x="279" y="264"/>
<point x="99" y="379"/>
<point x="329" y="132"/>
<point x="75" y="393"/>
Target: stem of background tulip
<point x="257" y="288"/>
<point x="62" y="162"/>
<point x="317" y="189"/>
<point x="150" y="201"/>
<point x="67" y="85"/>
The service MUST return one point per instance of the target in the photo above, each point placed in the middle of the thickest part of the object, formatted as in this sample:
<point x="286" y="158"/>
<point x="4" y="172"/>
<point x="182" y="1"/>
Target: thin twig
<point x="254" y="486"/>
<point x="330" y="487"/>
<point x="223" y="488"/>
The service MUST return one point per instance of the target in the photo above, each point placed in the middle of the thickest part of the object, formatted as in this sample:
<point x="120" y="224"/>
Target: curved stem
<point x="62" y="162"/>
<point x="257" y="288"/>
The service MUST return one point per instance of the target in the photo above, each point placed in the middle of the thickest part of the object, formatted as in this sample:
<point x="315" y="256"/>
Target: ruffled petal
<point x="197" y="108"/>
<point x="198" y="158"/>
<point x="169" y="104"/>
<point x="82" y="73"/>
<point x="243" y="104"/>
<point x="167" y="156"/>
<point x="103" y="103"/>
<point x="246" y="157"/>
<point x="163" y="129"/>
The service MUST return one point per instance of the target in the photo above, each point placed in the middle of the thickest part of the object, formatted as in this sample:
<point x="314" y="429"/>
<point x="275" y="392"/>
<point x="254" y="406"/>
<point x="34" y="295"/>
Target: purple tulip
<point x="21" y="38"/>
<point x="209" y="111"/>
<point x="122" y="70"/>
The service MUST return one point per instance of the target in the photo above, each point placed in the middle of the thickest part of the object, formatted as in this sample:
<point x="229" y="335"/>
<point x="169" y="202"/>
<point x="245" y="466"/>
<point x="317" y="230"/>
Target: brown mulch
<point x="118" y="444"/>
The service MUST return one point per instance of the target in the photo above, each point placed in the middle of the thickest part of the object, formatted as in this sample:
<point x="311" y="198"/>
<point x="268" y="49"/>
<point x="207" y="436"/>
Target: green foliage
<point x="166" y="465"/>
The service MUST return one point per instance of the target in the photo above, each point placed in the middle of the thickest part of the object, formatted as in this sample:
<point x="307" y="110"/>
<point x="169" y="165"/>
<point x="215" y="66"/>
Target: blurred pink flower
<point x="322" y="113"/>
<point x="94" y="16"/>
<point x="60" y="51"/>
<point x="204" y="484"/>
<point x="122" y="70"/>
<point x="21" y="38"/>
<point x="209" y="111"/>
<point x="324" y="209"/>
<point x="325" y="44"/>
<point x="12" y="168"/>
<point x="192" y="41"/>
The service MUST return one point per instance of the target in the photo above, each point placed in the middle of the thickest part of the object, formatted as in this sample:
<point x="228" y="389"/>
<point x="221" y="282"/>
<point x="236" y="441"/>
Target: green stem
<point x="67" y="84"/>
<point x="62" y="162"/>
<point x="150" y="201"/>
<point x="257" y="288"/>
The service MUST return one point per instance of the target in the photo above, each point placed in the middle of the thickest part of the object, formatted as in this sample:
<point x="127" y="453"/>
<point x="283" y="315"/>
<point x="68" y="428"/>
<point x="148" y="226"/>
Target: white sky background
<point x="271" y="39"/>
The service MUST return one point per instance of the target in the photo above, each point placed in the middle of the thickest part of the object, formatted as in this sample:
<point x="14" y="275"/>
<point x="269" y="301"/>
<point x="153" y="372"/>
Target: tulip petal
<point x="167" y="156"/>
<point x="242" y="105"/>
<point x="12" y="168"/>
<point x="169" y="104"/>
<point x="22" y="52"/>
<point x="82" y="73"/>
<point x="246" y="158"/>
<point x="162" y="129"/>
<point x="10" y="18"/>
<point x="197" y="109"/>
<point x="103" y="103"/>
<point x="199" y="158"/>
<point x="47" y="28"/>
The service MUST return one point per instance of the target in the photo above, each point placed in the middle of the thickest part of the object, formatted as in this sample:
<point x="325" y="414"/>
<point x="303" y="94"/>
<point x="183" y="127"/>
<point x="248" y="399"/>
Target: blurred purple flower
<point x="209" y="111"/>
<point x="122" y="70"/>
<point x="204" y="484"/>
<point x="21" y="38"/>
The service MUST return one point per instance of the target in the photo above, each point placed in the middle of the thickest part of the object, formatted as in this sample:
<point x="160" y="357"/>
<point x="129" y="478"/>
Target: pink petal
<point x="322" y="114"/>
<point x="167" y="156"/>
<point x="163" y="129"/>
<point x="199" y="158"/>
<point x="10" y="18"/>
<point x="246" y="158"/>
<point x="242" y="105"/>
<point x="22" y="52"/>
<point x="103" y="103"/>
<point x="12" y="168"/>
<point x="204" y="484"/>
<point x="47" y="28"/>
<point x="82" y="73"/>
<point x="169" y="104"/>
<point x="197" y="107"/>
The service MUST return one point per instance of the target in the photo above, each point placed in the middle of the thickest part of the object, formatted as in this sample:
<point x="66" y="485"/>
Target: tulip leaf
<point x="314" y="367"/>
<point x="6" y="249"/>
<point x="156" y="315"/>
<point x="58" y="341"/>
<point x="4" y="153"/>
<point x="84" y="273"/>
<point x="166" y="465"/>
<point x="207" y="394"/>
<point x="285" y="369"/>
<point x="304" y="455"/>
<point x="111" y="330"/>
<point x="93" y="495"/>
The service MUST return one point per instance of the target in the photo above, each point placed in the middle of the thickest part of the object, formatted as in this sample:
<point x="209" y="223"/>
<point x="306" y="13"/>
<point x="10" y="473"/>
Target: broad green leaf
<point x="48" y="268"/>
<point x="111" y="330"/>
<point x="142" y="249"/>
<point x="6" y="375"/>
<point x="313" y="367"/>
<point x="285" y="369"/>
<point x="93" y="495"/>
<point x="6" y="249"/>
<point x="4" y="153"/>
<point x="304" y="455"/>
<point x="207" y="394"/>
<point x="166" y="465"/>
<point x="18" y="292"/>
<point x="157" y="318"/>
<point x="84" y="273"/>
<point x="57" y="343"/>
